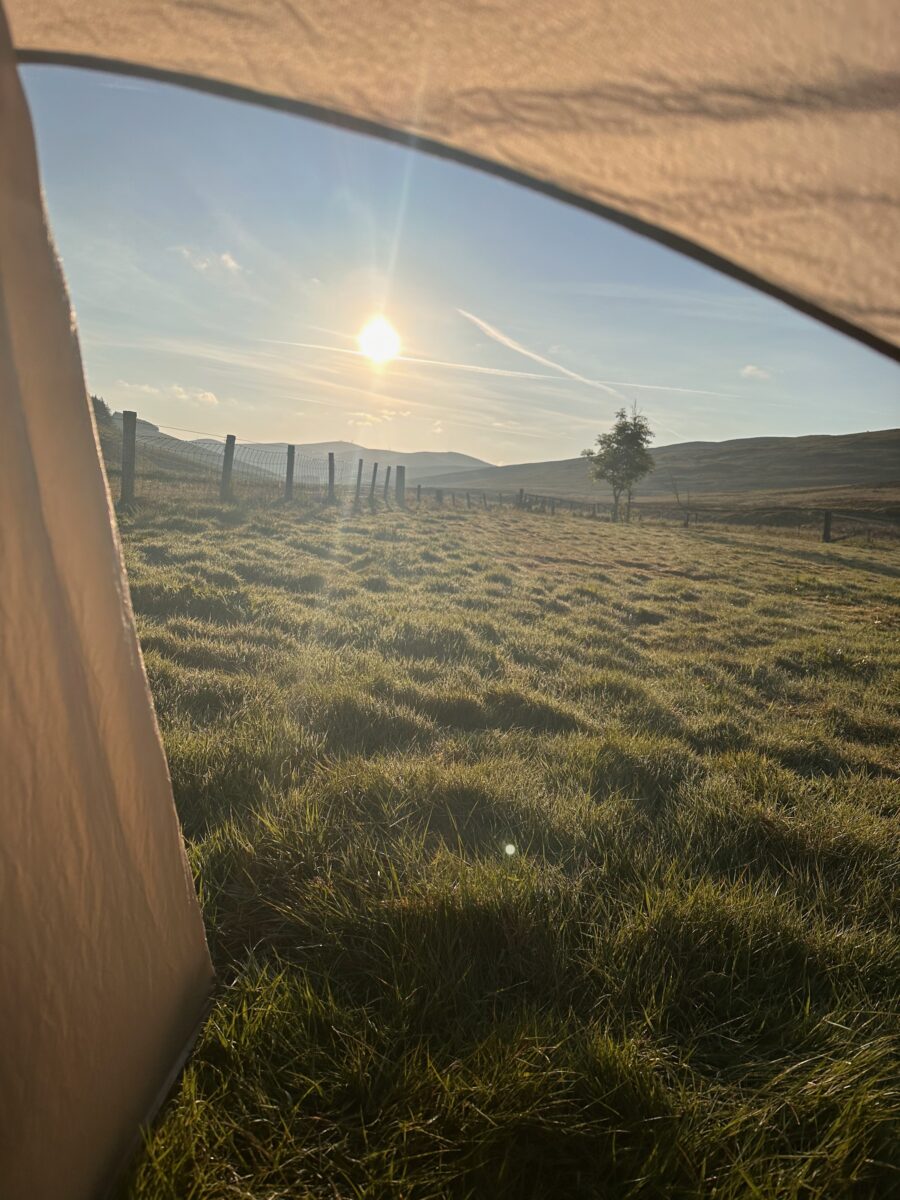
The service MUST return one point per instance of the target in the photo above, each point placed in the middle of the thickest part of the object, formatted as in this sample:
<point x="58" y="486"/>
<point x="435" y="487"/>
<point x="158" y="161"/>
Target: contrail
<point x="606" y="385"/>
<point x="425" y="362"/>
<point x="538" y="358"/>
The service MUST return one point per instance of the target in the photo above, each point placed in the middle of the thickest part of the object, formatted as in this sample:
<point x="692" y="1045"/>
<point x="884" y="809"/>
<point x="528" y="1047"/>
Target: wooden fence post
<point x="359" y="471"/>
<point x="400" y="488"/>
<point x="418" y="494"/>
<point x="227" y="464"/>
<point x="372" y="488"/>
<point x="439" y="496"/>
<point x="521" y="497"/>
<point x="453" y="499"/>
<point x="552" y="507"/>
<point x="330" y="496"/>
<point x="289" y="474"/>
<point x="129" y="439"/>
<point x="826" y="527"/>
<point x="468" y="500"/>
<point x="387" y="482"/>
<point x="484" y="502"/>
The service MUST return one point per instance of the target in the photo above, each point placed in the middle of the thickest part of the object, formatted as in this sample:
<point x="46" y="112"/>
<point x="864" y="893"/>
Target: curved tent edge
<point x="438" y="149"/>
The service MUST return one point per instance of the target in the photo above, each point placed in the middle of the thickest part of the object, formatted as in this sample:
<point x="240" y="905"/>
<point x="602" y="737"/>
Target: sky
<point x="222" y="259"/>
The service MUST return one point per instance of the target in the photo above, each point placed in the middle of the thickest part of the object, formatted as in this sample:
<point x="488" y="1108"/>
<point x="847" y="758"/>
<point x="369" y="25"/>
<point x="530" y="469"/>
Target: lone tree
<point x="622" y="457"/>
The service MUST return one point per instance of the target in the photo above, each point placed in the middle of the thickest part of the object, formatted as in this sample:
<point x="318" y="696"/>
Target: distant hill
<point x="420" y="464"/>
<point x="767" y="464"/>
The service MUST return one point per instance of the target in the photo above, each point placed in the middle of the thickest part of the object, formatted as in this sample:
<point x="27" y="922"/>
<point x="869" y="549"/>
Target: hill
<point x="763" y="464"/>
<point x="420" y="465"/>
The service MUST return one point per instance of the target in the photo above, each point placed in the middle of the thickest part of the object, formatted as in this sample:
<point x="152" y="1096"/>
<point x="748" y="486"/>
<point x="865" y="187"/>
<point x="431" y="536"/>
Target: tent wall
<point x="763" y="138"/>
<point x="105" y="971"/>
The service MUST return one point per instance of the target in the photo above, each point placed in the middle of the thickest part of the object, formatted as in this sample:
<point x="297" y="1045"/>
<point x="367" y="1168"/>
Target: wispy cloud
<point x="205" y="262"/>
<point x="754" y="372"/>
<point x="605" y="385"/>
<point x="512" y="344"/>
<point x="504" y="373"/>
<point x="474" y="368"/>
<point x="175" y="391"/>
<point x="146" y="389"/>
<point x="688" y="302"/>
<point x="194" y="396"/>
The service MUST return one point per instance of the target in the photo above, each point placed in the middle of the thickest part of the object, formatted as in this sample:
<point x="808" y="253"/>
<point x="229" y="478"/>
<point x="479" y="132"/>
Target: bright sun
<point x="378" y="340"/>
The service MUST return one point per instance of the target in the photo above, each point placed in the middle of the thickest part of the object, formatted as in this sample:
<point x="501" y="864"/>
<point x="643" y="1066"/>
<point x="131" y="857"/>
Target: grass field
<point x="539" y="857"/>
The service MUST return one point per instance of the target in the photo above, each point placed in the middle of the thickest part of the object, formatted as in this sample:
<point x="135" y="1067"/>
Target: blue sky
<point x="222" y="259"/>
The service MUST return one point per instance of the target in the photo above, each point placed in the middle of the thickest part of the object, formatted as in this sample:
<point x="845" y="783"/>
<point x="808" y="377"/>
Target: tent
<point x="763" y="140"/>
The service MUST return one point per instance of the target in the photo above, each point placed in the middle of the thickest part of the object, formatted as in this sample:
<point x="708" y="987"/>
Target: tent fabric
<point x="105" y="971"/>
<point x="763" y="138"/>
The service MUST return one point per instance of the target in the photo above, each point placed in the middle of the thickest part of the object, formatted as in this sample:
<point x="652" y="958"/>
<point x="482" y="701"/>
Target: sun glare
<point x="378" y="340"/>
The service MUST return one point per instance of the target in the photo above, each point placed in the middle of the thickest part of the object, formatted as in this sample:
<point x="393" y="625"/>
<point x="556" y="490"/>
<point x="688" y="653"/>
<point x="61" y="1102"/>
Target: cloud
<point x="377" y="418"/>
<point x="145" y="389"/>
<point x="753" y="372"/>
<point x="512" y="344"/>
<point x="502" y="372"/>
<point x="203" y="262"/>
<point x="604" y="385"/>
<point x="437" y="427"/>
<point x="194" y="395"/>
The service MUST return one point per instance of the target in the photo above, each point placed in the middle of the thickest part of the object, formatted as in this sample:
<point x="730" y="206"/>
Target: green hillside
<point x="765" y="464"/>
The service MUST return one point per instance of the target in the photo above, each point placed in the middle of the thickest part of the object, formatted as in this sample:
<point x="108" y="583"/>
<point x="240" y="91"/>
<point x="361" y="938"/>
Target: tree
<point x="622" y="457"/>
<point x="102" y="412"/>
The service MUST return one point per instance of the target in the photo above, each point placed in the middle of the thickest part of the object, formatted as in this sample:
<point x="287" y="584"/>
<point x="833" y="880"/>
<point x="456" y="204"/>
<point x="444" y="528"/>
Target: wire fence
<point x="147" y="462"/>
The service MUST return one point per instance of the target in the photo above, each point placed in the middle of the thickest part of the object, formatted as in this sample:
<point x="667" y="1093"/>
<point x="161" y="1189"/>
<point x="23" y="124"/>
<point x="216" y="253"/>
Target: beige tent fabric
<point x="766" y="134"/>
<point x="104" y="972"/>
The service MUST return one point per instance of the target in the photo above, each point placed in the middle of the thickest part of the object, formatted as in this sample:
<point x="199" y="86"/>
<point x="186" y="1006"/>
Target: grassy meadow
<point x="539" y="857"/>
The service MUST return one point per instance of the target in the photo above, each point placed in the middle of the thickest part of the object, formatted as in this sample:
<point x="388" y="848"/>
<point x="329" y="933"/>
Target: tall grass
<point x="538" y="857"/>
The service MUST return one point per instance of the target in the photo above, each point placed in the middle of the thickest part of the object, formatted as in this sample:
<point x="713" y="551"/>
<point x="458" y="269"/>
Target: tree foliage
<point x="102" y="411"/>
<point x="622" y="456"/>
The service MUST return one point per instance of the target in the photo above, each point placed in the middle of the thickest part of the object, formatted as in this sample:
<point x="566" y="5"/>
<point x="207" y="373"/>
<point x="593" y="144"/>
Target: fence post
<point x="359" y="471"/>
<point x="418" y="494"/>
<point x="521" y="497"/>
<point x="330" y="496"/>
<point x="453" y="499"/>
<point x="484" y="502"/>
<point x="387" y="482"/>
<point x="372" y="488"/>
<point x="552" y="507"/>
<point x="227" y="464"/>
<point x="129" y="438"/>
<point x="826" y="527"/>
<point x="400" y="489"/>
<point x="468" y="500"/>
<point x="501" y="500"/>
<point x="289" y="474"/>
<point x="439" y="496"/>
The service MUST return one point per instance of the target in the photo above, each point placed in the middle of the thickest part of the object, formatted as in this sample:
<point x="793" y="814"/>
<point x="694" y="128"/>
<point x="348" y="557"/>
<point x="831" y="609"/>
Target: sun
<point x="378" y="340"/>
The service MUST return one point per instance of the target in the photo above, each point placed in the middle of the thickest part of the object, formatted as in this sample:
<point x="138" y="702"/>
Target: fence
<point x="144" y="461"/>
